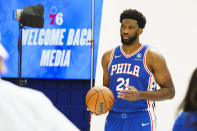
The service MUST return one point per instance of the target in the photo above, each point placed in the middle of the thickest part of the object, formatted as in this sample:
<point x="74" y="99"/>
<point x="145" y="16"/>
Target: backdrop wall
<point x="59" y="49"/>
<point x="171" y="28"/>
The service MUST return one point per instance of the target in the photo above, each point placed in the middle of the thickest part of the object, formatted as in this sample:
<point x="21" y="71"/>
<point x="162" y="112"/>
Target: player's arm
<point x="105" y="62"/>
<point x="157" y="65"/>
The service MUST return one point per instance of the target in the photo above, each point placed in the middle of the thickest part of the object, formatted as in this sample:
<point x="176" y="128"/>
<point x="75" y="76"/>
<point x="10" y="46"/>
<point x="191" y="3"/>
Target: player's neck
<point x="129" y="49"/>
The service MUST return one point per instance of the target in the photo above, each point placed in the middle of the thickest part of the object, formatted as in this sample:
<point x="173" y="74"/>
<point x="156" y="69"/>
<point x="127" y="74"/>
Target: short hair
<point x="135" y="15"/>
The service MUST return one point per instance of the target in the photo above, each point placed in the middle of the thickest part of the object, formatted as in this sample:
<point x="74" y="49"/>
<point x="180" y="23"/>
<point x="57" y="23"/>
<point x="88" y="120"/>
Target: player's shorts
<point x="134" y="121"/>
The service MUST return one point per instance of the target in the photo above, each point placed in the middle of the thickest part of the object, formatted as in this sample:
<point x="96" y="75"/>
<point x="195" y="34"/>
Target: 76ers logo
<point x="57" y="18"/>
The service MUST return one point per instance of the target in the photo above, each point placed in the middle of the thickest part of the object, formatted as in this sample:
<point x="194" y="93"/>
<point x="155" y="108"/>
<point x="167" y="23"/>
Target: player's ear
<point x="140" y="31"/>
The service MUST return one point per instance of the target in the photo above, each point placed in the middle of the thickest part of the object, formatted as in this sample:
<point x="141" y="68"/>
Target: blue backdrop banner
<point x="60" y="50"/>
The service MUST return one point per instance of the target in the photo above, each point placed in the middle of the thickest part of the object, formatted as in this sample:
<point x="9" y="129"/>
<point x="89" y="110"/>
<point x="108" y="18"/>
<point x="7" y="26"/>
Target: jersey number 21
<point x="121" y="86"/>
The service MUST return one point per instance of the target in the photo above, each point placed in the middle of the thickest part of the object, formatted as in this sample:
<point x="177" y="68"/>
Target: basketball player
<point x="24" y="109"/>
<point x="132" y="71"/>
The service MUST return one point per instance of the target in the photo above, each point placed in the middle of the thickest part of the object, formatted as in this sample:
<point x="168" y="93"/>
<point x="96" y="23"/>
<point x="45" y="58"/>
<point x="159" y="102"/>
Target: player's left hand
<point x="132" y="94"/>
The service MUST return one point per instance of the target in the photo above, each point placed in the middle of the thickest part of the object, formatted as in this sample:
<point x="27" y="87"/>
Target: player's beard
<point x="130" y="40"/>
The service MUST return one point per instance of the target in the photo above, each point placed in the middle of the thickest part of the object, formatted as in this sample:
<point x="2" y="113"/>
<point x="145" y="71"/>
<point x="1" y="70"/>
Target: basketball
<point x="99" y="99"/>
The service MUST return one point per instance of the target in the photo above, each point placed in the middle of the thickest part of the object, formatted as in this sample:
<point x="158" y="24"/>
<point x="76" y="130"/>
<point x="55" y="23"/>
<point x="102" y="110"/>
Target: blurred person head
<point x="26" y="109"/>
<point x="189" y="103"/>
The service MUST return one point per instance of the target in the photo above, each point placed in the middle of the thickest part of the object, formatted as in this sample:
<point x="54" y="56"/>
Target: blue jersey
<point x="184" y="122"/>
<point x="130" y="70"/>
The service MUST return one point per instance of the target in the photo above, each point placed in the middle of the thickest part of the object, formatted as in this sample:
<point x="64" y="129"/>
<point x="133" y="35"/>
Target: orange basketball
<point x="99" y="99"/>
